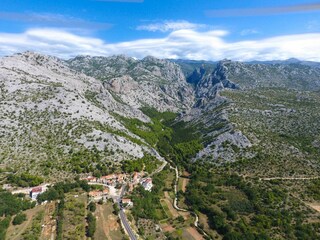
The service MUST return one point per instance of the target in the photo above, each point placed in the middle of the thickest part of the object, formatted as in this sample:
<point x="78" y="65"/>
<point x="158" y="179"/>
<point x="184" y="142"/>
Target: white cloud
<point x="166" y="26"/>
<point x="186" y="44"/>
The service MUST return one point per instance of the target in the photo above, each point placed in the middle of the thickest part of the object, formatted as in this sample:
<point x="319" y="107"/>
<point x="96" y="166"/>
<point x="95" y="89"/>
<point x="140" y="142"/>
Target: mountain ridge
<point x="101" y="100"/>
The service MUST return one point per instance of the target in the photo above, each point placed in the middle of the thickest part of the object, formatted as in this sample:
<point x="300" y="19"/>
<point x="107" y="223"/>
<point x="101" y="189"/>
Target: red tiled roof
<point x="37" y="189"/>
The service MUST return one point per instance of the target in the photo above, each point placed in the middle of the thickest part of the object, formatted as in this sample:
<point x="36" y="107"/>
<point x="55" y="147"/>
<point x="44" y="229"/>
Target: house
<point x="109" y="179"/>
<point x="90" y="179"/>
<point x="127" y="202"/>
<point x="136" y="177"/>
<point x="147" y="184"/>
<point x="97" y="194"/>
<point x="35" y="192"/>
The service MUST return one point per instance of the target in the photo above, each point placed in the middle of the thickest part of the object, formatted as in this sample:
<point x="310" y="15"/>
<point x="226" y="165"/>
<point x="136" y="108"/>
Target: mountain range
<point x="54" y="110"/>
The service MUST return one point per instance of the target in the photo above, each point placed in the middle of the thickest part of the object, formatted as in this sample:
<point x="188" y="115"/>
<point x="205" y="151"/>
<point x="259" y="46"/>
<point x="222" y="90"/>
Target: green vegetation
<point x="239" y="209"/>
<point x="74" y="213"/>
<point x="25" y="180"/>
<point x="147" y="163"/>
<point x="147" y="204"/>
<point x="57" y="191"/>
<point x="92" y="207"/>
<point x="12" y="204"/>
<point x="91" y="228"/>
<point x="313" y="189"/>
<point x="116" y="209"/>
<point x="59" y="218"/>
<point x="4" y="224"/>
<point x="19" y="218"/>
<point x="279" y="119"/>
<point x="177" y="141"/>
<point x="34" y="231"/>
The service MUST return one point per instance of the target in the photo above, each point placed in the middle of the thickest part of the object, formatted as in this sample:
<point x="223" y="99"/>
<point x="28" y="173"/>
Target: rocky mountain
<point x="50" y="113"/>
<point x="292" y="74"/>
<point x="148" y="82"/>
<point x="68" y="116"/>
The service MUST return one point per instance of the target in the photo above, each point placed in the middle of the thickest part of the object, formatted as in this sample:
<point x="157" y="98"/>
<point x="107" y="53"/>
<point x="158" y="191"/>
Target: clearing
<point x="107" y="224"/>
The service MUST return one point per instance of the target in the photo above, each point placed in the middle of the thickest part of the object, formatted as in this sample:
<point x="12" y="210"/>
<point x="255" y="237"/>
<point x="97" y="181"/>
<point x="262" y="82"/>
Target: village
<point x="111" y="187"/>
<point x="113" y="183"/>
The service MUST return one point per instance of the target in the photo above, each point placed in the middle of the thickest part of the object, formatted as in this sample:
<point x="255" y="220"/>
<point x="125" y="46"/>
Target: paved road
<point x="123" y="217"/>
<point x="126" y="225"/>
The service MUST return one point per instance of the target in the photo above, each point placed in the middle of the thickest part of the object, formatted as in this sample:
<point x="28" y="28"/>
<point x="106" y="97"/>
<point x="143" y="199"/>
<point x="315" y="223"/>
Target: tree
<point x="116" y="209"/>
<point x="19" y="218"/>
<point x="92" y="207"/>
<point x="91" y="228"/>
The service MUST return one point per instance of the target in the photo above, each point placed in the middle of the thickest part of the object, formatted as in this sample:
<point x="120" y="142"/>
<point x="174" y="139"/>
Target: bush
<point x="92" y="207"/>
<point x="19" y="218"/>
<point x="91" y="228"/>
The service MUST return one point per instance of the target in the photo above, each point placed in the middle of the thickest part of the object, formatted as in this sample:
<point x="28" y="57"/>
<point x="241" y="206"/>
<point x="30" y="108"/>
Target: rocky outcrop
<point x="209" y="86"/>
<point x="148" y="82"/>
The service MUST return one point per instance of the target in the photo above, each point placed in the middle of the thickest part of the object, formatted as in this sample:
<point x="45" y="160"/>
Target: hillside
<point x="56" y="121"/>
<point x="242" y="139"/>
<point x="53" y="114"/>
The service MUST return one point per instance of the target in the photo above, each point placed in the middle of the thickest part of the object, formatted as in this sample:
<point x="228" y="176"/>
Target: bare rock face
<point x="149" y="82"/>
<point x="208" y="87"/>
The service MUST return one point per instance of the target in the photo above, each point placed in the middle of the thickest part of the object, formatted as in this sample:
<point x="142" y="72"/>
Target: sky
<point x="242" y="30"/>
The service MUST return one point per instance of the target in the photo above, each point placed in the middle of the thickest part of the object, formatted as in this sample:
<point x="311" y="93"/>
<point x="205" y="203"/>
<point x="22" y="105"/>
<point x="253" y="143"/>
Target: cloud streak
<point x="300" y="8"/>
<point x="53" y="20"/>
<point x="169" y="25"/>
<point x="184" y="43"/>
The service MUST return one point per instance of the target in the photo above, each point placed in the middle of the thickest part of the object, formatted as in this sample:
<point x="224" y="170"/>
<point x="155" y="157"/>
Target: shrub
<point x="19" y="218"/>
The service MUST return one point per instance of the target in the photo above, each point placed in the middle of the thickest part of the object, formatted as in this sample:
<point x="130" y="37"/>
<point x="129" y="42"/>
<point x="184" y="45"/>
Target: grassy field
<point x="74" y="221"/>
<point x="15" y="232"/>
<point x="108" y="226"/>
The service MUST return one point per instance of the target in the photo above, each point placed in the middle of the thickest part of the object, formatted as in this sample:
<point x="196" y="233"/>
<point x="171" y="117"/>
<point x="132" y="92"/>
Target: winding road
<point x="175" y="205"/>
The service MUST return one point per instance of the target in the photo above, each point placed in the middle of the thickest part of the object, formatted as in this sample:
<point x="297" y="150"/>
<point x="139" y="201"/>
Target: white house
<point x="147" y="184"/>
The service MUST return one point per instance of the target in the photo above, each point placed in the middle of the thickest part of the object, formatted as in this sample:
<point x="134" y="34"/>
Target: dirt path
<point x="288" y="178"/>
<point x="315" y="206"/>
<point x="49" y="222"/>
<point x="104" y="224"/>
<point x="194" y="233"/>
<point x="185" y="182"/>
<point x="15" y="232"/>
<point x="168" y="201"/>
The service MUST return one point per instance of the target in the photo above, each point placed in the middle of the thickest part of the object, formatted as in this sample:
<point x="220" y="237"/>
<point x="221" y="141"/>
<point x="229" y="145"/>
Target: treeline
<point x="10" y="205"/>
<point x="25" y="180"/>
<point x="147" y="162"/>
<point x="57" y="191"/>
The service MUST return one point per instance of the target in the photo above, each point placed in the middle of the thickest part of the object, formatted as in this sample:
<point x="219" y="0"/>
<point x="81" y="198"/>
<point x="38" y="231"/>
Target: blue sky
<point x="191" y="29"/>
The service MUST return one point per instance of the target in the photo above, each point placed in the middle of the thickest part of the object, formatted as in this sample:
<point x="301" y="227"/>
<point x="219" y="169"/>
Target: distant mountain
<point x="287" y="62"/>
